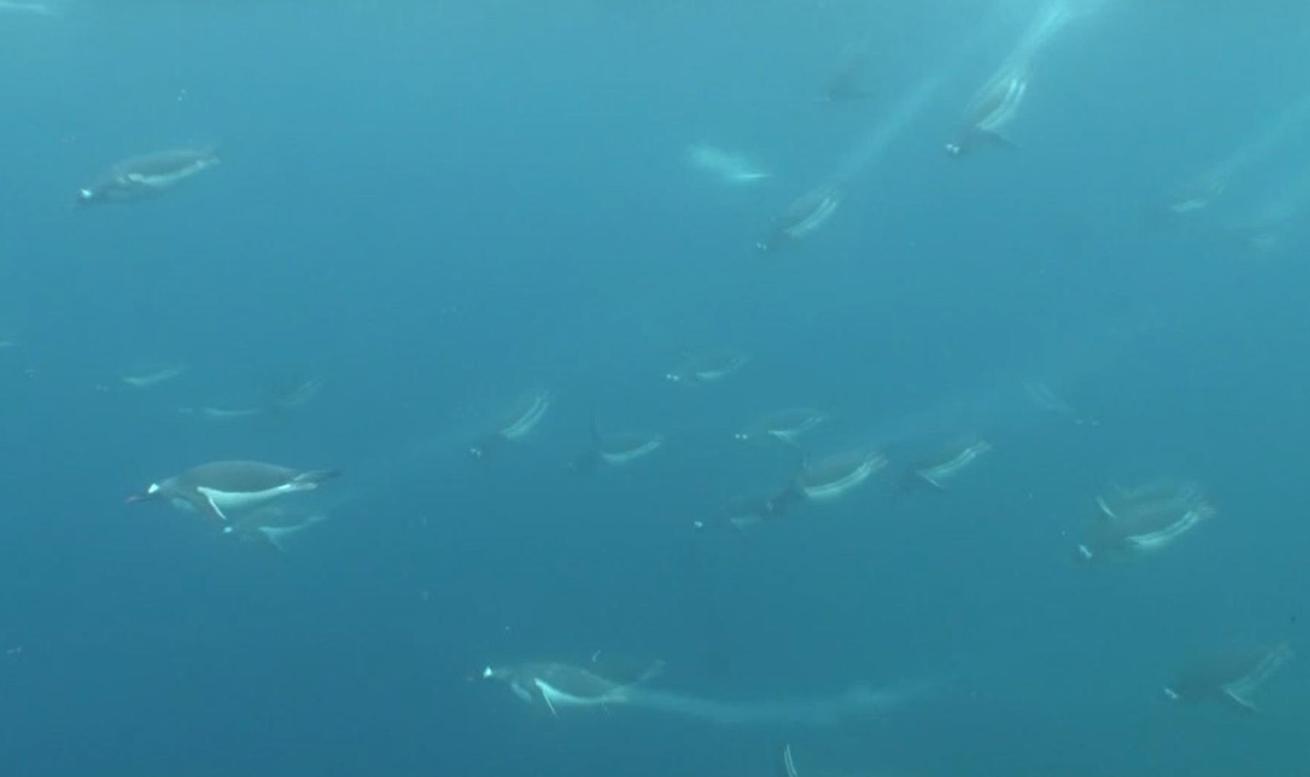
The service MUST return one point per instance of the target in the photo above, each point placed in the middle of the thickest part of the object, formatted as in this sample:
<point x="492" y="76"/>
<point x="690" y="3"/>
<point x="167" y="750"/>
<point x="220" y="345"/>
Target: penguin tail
<point x="997" y="140"/>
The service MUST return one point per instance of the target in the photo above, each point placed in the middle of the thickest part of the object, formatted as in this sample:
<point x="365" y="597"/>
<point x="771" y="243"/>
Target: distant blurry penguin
<point x="521" y="419"/>
<point x="559" y="686"/>
<point x="937" y="471"/>
<point x="147" y="176"/>
<point x="991" y="111"/>
<point x="220" y="487"/>
<point x="707" y="368"/>
<point x="832" y="477"/>
<point x="616" y="450"/>
<point x="272" y="525"/>
<point x="1229" y="678"/>
<point x="1144" y="519"/>
<point x="783" y="426"/>
<point x="803" y="216"/>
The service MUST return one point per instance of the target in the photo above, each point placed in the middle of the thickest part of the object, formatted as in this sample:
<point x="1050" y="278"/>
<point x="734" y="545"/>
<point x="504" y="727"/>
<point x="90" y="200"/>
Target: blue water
<point x="434" y="208"/>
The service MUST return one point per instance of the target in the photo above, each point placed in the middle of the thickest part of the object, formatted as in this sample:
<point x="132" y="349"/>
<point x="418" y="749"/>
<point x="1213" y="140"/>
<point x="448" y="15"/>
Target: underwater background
<point x="428" y="209"/>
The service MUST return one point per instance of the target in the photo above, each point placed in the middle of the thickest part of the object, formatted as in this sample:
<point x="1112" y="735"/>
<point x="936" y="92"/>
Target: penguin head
<point x="151" y="492"/>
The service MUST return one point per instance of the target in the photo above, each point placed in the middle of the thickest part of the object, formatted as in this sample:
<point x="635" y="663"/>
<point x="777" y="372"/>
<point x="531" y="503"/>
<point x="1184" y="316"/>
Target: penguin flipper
<point x="549" y="704"/>
<point x="997" y="140"/>
<point x="1242" y="703"/>
<point x="205" y="504"/>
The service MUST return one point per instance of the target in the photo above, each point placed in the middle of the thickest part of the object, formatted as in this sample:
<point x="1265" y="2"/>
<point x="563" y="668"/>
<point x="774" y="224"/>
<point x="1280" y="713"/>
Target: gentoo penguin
<point x="804" y="215"/>
<point x="283" y="399"/>
<point x="990" y="111"/>
<point x="616" y="449"/>
<point x="272" y="525"/>
<point x="707" y="368"/>
<point x="1139" y="520"/>
<point x="562" y="685"/>
<point x="824" y="480"/>
<point x="219" y="487"/>
<point x="147" y="176"/>
<point x="832" y="477"/>
<point x="150" y="376"/>
<point x="523" y="417"/>
<point x="728" y="167"/>
<point x="1230" y="678"/>
<point x="784" y="425"/>
<point x="937" y="471"/>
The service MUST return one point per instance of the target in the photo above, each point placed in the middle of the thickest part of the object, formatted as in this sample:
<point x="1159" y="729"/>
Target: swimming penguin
<point x="821" y="481"/>
<point x="1231" y="678"/>
<point x="523" y="417"/>
<point x="727" y="166"/>
<point x="1139" y="520"/>
<point x="213" y="413"/>
<point x="832" y="477"/>
<point x="220" y="487"/>
<point x="152" y="376"/>
<point x="280" y="399"/>
<point x="272" y="525"/>
<point x="561" y="685"/>
<point x="938" y="471"/>
<point x="802" y="217"/>
<point x="147" y="176"/>
<point x="616" y="450"/>
<point x="990" y="111"/>
<point x="747" y="512"/>
<point x="784" y="425"/>
<point x="707" y="368"/>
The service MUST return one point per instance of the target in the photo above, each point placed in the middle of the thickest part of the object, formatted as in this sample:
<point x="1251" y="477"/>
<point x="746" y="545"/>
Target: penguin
<point x="147" y="176"/>
<point x="523" y="417"/>
<point x="152" y="375"/>
<point x="1143" y="519"/>
<point x="802" y="217"/>
<point x="832" y="477"/>
<point x="272" y="525"/>
<point x="1230" y="678"/>
<point x="559" y="685"/>
<point x="220" y="487"/>
<point x="937" y="471"/>
<point x="784" y="426"/>
<point x="707" y="368"/>
<point x="616" y="450"/>
<point x="991" y="111"/>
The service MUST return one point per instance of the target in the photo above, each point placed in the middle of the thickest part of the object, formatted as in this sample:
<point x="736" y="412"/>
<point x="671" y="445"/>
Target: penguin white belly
<point x="623" y="457"/>
<point x="836" y="488"/>
<point x="163" y="180"/>
<point x="555" y="698"/>
<point x="225" y="501"/>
